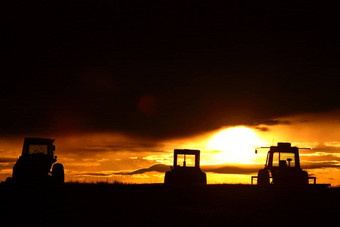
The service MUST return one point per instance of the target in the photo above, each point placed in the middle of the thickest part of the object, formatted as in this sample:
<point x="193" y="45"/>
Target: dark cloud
<point x="164" y="69"/>
<point x="268" y="123"/>
<point x="325" y="149"/>
<point x="320" y="158"/>
<point x="126" y="146"/>
<point x="263" y="129"/>
<point x="7" y="160"/>
<point x="272" y="122"/>
<point x="223" y="169"/>
<point x="112" y="148"/>
<point x="318" y="165"/>
<point x="95" y="174"/>
<point x="227" y="169"/>
<point x="157" y="168"/>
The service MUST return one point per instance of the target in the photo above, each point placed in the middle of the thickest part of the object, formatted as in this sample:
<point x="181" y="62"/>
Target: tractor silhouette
<point x="189" y="173"/>
<point x="283" y="167"/>
<point x="35" y="163"/>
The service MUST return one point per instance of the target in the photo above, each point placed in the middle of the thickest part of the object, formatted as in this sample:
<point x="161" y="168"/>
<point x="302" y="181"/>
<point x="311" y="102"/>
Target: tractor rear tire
<point x="204" y="178"/>
<point x="304" y="179"/>
<point x="168" y="179"/>
<point x="58" y="175"/>
<point x="9" y="180"/>
<point x="263" y="177"/>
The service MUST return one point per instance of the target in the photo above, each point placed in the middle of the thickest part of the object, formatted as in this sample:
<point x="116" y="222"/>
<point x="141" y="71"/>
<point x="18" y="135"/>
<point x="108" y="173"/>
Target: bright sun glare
<point x="235" y="145"/>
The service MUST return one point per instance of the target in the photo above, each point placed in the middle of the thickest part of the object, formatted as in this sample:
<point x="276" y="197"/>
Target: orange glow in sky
<point x="227" y="154"/>
<point x="235" y="145"/>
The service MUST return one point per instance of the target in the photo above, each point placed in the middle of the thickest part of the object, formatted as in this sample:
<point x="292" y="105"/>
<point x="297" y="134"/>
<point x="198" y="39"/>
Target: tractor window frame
<point x="267" y="160"/>
<point x="276" y="158"/>
<point x="189" y="159"/>
<point x="42" y="148"/>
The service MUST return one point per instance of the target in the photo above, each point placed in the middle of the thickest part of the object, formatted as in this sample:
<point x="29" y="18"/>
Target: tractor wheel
<point x="9" y="180"/>
<point x="263" y="177"/>
<point x="58" y="173"/>
<point x="304" y="178"/>
<point x="204" y="178"/>
<point x="168" y="178"/>
<point x="17" y="173"/>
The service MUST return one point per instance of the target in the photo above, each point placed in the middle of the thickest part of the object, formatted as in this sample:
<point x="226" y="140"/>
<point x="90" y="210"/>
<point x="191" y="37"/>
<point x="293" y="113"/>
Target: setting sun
<point x="235" y="145"/>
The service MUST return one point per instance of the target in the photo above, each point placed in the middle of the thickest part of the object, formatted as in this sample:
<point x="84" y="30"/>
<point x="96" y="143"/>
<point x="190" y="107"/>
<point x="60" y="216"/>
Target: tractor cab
<point x="186" y="168"/>
<point x="39" y="146"/>
<point x="283" y="156"/>
<point x="186" y="158"/>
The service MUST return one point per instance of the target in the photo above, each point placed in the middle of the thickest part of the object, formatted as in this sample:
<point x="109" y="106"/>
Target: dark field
<point x="156" y="204"/>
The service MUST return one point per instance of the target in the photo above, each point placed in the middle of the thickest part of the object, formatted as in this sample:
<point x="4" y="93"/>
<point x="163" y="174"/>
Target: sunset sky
<point x="121" y="84"/>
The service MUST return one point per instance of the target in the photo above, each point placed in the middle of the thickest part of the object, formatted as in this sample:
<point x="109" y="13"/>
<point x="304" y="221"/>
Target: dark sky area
<point x="164" y="68"/>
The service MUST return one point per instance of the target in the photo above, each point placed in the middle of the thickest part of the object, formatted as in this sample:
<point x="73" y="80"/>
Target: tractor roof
<point x="186" y="151"/>
<point x="283" y="147"/>
<point x="39" y="141"/>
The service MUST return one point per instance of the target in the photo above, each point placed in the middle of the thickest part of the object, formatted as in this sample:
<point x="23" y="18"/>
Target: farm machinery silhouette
<point x="282" y="168"/>
<point x="35" y="163"/>
<point x="189" y="173"/>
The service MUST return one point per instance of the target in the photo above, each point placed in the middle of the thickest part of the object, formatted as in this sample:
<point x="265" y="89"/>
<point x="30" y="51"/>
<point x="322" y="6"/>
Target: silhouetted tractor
<point x="189" y="173"/>
<point x="283" y="167"/>
<point x="35" y="163"/>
